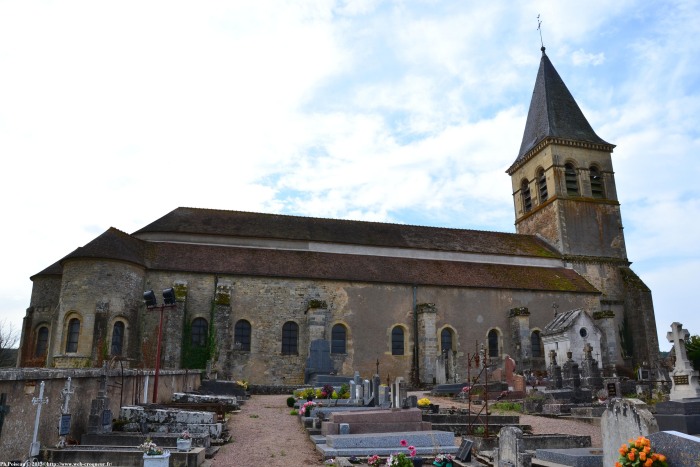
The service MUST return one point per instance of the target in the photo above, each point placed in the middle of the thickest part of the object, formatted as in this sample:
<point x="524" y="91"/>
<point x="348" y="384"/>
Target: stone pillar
<point x="427" y="341"/>
<point x="519" y="346"/>
<point x="171" y="346"/>
<point x="605" y="320"/>
<point x="223" y="328"/>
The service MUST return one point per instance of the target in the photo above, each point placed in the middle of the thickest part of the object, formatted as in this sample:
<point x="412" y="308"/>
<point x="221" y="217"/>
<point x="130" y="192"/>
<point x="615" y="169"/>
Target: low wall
<point x="124" y="387"/>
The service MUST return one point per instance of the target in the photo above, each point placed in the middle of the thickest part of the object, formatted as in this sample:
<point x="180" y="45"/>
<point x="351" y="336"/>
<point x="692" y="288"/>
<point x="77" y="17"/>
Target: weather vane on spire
<point x="539" y="28"/>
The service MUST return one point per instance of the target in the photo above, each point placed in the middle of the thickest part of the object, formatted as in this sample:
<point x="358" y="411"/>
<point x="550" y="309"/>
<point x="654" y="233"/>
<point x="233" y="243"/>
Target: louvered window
<point x="542" y="185"/>
<point x="596" y="183"/>
<point x="527" y="198"/>
<point x="571" y="180"/>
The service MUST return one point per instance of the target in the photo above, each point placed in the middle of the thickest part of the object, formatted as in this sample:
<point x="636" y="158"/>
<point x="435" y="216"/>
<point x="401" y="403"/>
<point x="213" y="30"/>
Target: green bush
<point x="291" y="400"/>
<point x="509" y="406"/>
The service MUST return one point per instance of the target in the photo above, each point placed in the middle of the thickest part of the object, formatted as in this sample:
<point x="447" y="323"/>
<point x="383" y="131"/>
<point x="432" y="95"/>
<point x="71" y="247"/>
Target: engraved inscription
<point x="680" y="380"/>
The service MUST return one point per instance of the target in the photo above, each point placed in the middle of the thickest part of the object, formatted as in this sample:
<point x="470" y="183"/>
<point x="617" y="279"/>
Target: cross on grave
<point x="678" y="336"/>
<point x="4" y="409"/>
<point x="587" y="351"/>
<point x="38" y="401"/>
<point x="64" y="420"/>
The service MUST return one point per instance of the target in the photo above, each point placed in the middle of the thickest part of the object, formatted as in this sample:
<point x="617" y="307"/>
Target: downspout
<point x="416" y="371"/>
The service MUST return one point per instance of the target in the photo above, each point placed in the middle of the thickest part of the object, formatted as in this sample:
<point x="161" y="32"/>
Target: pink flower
<point x="404" y="443"/>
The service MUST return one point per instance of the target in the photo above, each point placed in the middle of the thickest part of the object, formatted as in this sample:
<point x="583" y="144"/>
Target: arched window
<point x="73" y="335"/>
<point x="397" y="344"/>
<point x="241" y="335"/>
<point x="446" y="340"/>
<point x="42" y="341"/>
<point x="200" y="332"/>
<point x="493" y="343"/>
<point x="571" y="180"/>
<point x="525" y="193"/>
<point x="536" y="345"/>
<point x="542" y="185"/>
<point x="290" y="338"/>
<point x="117" y="338"/>
<point x="338" y="339"/>
<point x="596" y="183"/>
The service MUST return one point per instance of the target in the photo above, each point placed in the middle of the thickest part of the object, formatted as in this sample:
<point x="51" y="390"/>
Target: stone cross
<point x="686" y="380"/>
<point x="4" y="409"/>
<point x="38" y="401"/>
<point x="587" y="351"/>
<point x="678" y="336"/>
<point x="552" y="357"/>
<point x="66" y="392"/>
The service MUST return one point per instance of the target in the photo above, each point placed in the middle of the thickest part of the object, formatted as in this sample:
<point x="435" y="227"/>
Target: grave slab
<point x="680" y="449"/>
<point x="578" y="457"/>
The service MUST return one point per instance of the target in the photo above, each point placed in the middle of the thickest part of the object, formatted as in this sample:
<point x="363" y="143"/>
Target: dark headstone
<point x="681" y="450"/>
<point x="464" y="453"/>
<point x="682" y="416"/>
<point x="100" y="418"/>
<point x="4" y="409"/>
<point x="319" y="360"/>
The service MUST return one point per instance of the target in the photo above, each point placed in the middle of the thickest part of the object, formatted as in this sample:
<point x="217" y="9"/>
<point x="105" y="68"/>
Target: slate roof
<point x="562" y="322"/>
<point x="553" y="113"/>
<point x="112" y="244"/>
<point x="282" y="227"/>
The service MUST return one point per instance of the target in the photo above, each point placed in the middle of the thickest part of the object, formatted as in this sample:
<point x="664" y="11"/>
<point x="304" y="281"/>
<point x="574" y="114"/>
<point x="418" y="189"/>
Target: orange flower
<point x="617" y="464"/>
<point x="647" y="449"/>
<point x="662" y="458"/>
<point x="630" y="456"/>
<point x="648" y="463"/>
<point x="642" y="456"/>
<point x="623" y="450"/>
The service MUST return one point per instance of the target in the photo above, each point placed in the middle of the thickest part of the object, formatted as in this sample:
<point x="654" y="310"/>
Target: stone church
<point x="251" y="291"/>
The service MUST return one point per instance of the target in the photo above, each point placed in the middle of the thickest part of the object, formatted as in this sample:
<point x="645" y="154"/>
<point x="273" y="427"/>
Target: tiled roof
<point x="554" y="113"/>
<point x="562" y="322"/>
<point x="112" y="244"/>
<point x="283" y="227"/>
<point x="328" y="266"/>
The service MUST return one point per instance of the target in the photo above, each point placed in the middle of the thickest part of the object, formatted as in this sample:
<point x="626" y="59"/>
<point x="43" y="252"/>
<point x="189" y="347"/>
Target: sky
<point x="112" y="114"/>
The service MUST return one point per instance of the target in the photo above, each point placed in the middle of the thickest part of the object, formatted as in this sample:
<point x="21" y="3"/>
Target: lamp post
<point x="152" y="303"/>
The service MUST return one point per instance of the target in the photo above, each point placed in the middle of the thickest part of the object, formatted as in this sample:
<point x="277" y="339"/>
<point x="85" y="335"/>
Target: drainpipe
<point x="415" y="337"/>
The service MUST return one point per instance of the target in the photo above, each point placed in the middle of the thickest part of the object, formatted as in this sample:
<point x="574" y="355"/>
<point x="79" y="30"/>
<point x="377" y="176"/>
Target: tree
<point x="692" y="349"/>
<point x="9" y="338"/>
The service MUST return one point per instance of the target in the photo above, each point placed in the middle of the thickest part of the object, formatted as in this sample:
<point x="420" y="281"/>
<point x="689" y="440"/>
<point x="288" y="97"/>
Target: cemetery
<point x="104" y="415"/>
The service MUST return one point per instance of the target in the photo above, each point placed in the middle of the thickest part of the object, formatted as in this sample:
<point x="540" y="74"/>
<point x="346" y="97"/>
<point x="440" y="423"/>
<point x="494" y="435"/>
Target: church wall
<point x="42" y="310"/>
<point x="94" y="291"/>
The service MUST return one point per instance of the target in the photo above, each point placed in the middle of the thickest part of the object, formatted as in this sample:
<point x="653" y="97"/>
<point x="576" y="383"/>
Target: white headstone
<point x="684" y="377"/>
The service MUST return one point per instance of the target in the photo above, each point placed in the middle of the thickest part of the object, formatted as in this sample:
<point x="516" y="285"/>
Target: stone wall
<point x="21" y="385"/>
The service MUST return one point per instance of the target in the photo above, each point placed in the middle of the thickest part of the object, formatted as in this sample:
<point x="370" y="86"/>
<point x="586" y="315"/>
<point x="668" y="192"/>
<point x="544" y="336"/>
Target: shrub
<point x="291" y="400"/>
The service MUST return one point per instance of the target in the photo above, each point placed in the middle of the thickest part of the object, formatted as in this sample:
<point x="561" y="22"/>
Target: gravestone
<point x="511" y="450"/>
<point x="464" y="453"/>
<point x="680" y="449"/>
<point x="590" y="373"/>
<point x="682" y="412"/>
<point x="366" y="392"/>
<point x="353" y="390"/>
<point x="398" y="392"/>
<point x="319" y="361"/>
<point x="684" y="377"/>
<point x="554" y="372"/>
<point x="624" y="419"/>
<point x="100" y="418"/>
<point x="509" y="370"/>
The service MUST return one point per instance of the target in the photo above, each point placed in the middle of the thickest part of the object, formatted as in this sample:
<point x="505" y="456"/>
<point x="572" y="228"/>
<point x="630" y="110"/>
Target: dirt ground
<point x="264" y="433"/>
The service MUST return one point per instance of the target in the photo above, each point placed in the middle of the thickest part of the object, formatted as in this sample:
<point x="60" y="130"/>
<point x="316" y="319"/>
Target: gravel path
<point x="263" y="433"/>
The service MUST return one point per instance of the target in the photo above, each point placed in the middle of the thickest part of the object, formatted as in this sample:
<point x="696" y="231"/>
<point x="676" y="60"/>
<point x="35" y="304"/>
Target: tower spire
<point x="539" y="28"/>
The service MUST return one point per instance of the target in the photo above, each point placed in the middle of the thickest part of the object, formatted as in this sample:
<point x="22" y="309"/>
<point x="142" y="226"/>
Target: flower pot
<point x="434" y="408"/>
<point x="417" y="462"/>
<point x="162" y="460"/>
<point x="184" y="445"/>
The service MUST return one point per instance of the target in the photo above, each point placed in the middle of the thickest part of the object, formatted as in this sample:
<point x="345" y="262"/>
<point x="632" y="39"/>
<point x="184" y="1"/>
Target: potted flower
<point x="305" y="409"/>
<point x="443" y="460"/>
<point x="402" y="460"/>
<point x="424" y="403"/>
<point x="154" y="456"/>
<point x="184" y="441"/>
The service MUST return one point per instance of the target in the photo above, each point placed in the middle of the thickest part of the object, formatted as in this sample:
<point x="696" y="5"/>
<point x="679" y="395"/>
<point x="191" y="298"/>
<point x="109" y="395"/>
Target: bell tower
<point x="564" y="192"/>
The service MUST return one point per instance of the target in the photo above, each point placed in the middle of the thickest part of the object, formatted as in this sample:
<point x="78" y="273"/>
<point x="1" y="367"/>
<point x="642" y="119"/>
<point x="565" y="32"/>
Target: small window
<point x="338" y="339"/>
<point x="73" y="335"/>
<point x="583" y="332"/>
<point x="397" y="341"/>
<point x="571" y="180"/>
<point x="241" y="335"/>
<point x="542" y="185"/>
<point x="446" y="340"/>
<point x="536" y="345"/>
<point x="117" y="338"/>
<point x="200" y="332"/>
<point x="42" y="341"/>
<point x="527" y="198"/>
<point x="493" y="343"/>
<point x="290" y="338"/>
<point x="596" y="183"/>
